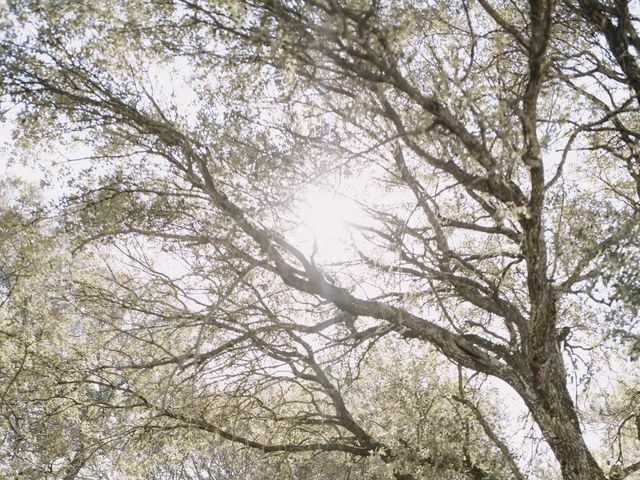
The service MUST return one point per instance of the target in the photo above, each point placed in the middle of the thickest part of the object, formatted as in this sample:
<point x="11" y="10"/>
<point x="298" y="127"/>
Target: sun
<point x="327" y="218"/>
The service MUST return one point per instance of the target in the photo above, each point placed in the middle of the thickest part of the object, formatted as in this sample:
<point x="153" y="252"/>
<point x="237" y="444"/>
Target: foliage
<point x="190" y="305"/>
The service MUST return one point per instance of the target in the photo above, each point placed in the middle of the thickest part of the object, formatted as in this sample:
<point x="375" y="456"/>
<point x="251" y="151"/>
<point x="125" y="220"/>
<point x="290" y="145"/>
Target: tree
<point x="488" y="148"/>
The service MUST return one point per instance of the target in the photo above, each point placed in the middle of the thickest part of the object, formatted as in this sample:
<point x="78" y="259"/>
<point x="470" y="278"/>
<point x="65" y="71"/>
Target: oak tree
<point x="281" y="194"/>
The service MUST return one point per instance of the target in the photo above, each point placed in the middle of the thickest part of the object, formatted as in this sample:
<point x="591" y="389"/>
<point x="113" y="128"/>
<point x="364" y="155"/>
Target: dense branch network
<point x="478" y="267"/>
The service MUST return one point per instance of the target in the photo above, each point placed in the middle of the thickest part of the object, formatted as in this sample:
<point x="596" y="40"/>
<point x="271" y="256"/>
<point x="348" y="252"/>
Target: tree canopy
<point x="321" y="239"/>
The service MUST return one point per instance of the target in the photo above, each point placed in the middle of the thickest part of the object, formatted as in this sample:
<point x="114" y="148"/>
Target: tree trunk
<point x="566" y="442"/>
<point x="550" y="403"/>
